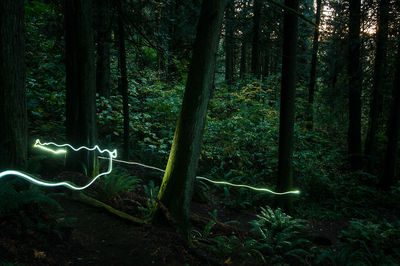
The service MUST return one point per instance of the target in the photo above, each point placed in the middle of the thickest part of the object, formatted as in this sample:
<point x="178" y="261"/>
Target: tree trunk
<point x="389" y="175"/>
<point x="375" y="116"/>
<point x="267" y="55"/>
<point x="123" y="82"/>
<point x="229" y="44"/>
<point x="163" y="51"/>
<point x="177" y="186"/>
<point x="255" y="51"/>
<point x="80" y="83"/>
<point x="311" y="87"/>
<point x="103" y="47"/>
<point x="288" y="90"/>
<point x="243" y="58"/>
<point x="13" y="116"/>
<point x="355" y="86"/>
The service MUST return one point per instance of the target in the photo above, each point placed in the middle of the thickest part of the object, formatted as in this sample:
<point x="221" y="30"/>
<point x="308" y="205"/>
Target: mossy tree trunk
<point x="176" y="189"/>
<point x="13" y="116"/>
<point x="288" y="90"/>
<point x="80" y="83"/>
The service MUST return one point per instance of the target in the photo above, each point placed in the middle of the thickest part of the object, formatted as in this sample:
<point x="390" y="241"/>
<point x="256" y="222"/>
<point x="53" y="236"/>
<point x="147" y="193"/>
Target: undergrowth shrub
<point x="28" y="205"/>
<point x="119" y="180"/>
<point x="366" y="243"/>
<point x="282" y="237"/>
<point x="151" y="192"/>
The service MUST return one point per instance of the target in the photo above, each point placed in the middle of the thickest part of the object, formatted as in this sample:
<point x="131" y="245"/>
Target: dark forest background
<point x="281" y="94"/>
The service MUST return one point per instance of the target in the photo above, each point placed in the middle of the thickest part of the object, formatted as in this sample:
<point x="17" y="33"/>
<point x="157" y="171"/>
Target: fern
<point x="113" y="184"/>
<point x="282" y="235"/>
<point x="12" y="198"/>
<point x="150" y="191"/>
<point x="366" y="243"/>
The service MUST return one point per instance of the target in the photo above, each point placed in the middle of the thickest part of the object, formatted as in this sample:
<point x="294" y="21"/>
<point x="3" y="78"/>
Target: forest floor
<point x="97" y="237"/>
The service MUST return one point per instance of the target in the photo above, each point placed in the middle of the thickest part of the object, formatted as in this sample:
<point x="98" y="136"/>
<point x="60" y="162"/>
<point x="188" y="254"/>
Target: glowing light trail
<point x="38" y="144"/>
<point x="249" y="187"/>
<point x="112" y="157"/>
<point x="212" y="181"/>
<point x="135" y="163"/>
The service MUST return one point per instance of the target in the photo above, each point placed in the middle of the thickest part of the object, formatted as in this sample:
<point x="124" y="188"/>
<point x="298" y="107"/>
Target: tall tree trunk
<point x="311" y="87"/>
<point x="243" y="57"/>
<point x="80" y="83"/>
<point x="375" y="116"/>
<point x="229" y="43"/>
<point x="13" y="116"/>
<point x="103" y="47"/>
<point x="162" y="53"/>
<point x="255" y="51"/>
<point x="267" y="55"/>
<point x="389" y="175"/>
<point x="288" y="90"/>
<point x="355" y="86"/>
<point x="123" y="81"/>
<point x="177" y="186"/>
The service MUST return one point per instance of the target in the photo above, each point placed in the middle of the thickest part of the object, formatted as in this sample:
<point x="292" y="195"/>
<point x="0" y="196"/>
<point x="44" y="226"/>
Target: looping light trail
<point x="42" y="146"/>
<point x="212" y="181"/>
<point x="112" y="155"/>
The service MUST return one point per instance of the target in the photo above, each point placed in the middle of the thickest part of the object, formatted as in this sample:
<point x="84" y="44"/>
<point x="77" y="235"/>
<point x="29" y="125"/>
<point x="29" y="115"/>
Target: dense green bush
<point x="366" y="243"/>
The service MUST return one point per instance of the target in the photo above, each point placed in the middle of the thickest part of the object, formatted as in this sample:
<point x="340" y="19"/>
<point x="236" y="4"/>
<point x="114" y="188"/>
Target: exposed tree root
<point x="81" y="197"/>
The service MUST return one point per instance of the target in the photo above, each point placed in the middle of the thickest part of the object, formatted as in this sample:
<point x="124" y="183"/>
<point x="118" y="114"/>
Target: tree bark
<point x="229" y="44"/>
<point x="255" y="51"/>
<point x="267" y="56"/>
<point x="288" y="90"/>
<point x="375" y="116"/>
<point x="13" y="116"/>
<point x="103" y="47"/>
<point x="177" y="186"/>
<point x="355" y="86"/>
<point x="123" y="81"/>
<point x="80" y="83"/>
<point x="243" y="57"/>
<point x="389" y="174"/>
<point x="311" y="87"/>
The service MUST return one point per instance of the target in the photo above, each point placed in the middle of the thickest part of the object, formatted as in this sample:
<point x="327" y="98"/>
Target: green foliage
<point x="151" y="192"/>
<point x="282" y="236"/>
<point x="33" y="207"/>
<point x="111" y="185"/>
<point x="153" y="114"/>
<point x="13" y="197"/>
<point x="236" y="248"/>
<point x="366" y="243"/>
<point x="45" y="75"/>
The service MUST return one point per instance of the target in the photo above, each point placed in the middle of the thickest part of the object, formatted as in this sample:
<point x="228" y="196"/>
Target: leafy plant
<point x="150" y="191"/>
<point x="31" y="206"/>
<point x="366" y="243"/>
<point x="119" y="180"/>
<point x="235" y="248"/>
<point x="282" y="236"/>
<point x="14" y="195"/>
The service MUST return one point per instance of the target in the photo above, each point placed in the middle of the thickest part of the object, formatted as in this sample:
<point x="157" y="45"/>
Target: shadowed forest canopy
<point x="249" y="132"/>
